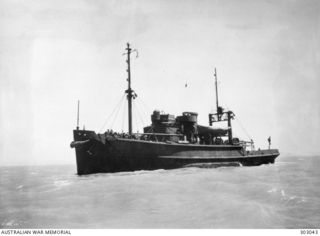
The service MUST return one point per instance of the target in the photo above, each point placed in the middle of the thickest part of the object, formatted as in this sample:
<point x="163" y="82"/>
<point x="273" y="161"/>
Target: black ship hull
<point x="98" y="154"/>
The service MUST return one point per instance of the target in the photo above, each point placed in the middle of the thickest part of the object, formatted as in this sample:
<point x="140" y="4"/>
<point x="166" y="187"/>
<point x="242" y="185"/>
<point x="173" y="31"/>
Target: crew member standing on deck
<point x="269" y="141"/>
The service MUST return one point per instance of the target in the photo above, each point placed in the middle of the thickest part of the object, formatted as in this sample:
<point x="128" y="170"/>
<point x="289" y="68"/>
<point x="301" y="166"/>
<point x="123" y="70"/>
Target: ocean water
<point x="281" y="195"/>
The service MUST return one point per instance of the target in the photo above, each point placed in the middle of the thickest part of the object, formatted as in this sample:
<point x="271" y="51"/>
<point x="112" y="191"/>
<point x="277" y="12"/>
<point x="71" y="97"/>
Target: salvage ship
<point x="169" y="142"/>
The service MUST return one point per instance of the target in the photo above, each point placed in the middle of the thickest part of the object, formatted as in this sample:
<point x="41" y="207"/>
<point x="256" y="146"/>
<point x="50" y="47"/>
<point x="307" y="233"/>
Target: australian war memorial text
<point x="35" y="232"/>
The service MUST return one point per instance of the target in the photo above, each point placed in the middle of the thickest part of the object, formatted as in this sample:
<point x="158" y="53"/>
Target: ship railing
<point x="158" y="134"/>
<point x="139" y="135"/>
<point x="246" y="144"/>
<point x="158" y="137"/>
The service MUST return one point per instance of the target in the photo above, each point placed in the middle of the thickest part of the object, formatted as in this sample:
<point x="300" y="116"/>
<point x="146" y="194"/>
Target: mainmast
<point x="221" y="115"/>
<point x="216" y="83"/>
<point x="219" y="109"/>
<point x="129" y="91"/>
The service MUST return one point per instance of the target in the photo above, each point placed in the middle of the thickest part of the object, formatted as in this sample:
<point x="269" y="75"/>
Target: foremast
<point x="130" y="92"/>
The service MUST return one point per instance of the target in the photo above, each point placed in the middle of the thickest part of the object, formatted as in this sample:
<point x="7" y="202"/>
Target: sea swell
<point x="281" y="195"/>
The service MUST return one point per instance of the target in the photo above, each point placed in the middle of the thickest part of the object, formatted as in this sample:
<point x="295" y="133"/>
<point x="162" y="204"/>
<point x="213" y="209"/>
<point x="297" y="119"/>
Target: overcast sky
<point x="54" y="52"/>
